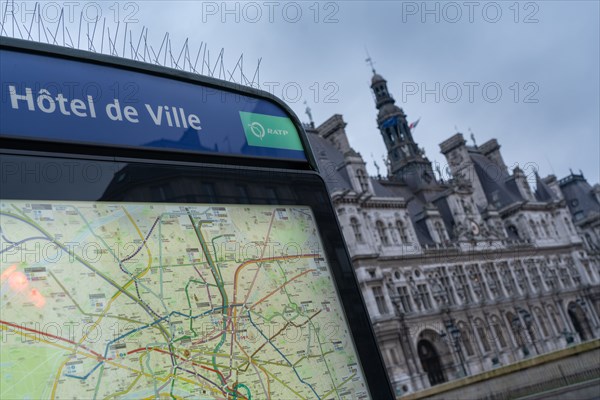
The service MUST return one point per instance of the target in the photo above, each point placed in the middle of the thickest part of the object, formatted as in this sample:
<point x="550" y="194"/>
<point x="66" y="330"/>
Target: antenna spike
<point x="146" y="45"/>
<point x="132" y="55"/>
<point x="15" y="23"/>
<point x="2" y="23"/>
<point x="113" y="50"/>
<point x="180" y="54"/>
<point x="79" y="32"/>
<point x="12" y="12"/>
<point x="204" y="59"/>
<point x="32" y="20"/>
<point x="102" y="43"/>
<point x="168" y="41"/>
<point x="257" y="74"/>
<point x="125" y="38"/>
<point x="70" y="38"/>
<point x="39" y="28"/>
<point x="62" y="18"/>
<point x="91" y="43"/>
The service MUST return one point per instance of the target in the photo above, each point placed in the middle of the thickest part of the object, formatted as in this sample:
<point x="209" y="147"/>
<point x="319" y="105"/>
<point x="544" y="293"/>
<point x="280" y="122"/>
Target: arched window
<point x="439" y="229"/>
<point x="542" y="321"/>
<point x="362" y="180"/>
<point x="465" y="335"/>
<point x="533" y="228"/>
<point x="482" y="333"/>
<point x="534" y="273"/>
<point x="356" y="229"/>
<point x="513" y="232"/>
<point x="497" y="331"/>
<point x="539" y="228"/>
<point x="467" y="206"/>
<point x="554" y="228"/>
<point x="402" y="231"/>
<point x="568" y="225"/>
<point x="556" y="323"/>
<point x="591" y="242"/>
<point x="405" y="300"/>
<point x="382" y="234"/>
<point x="392" y="233"/>
<point x="499" y="229"/>
<point x="545" y="228"/>
<point x="390" y="134"/>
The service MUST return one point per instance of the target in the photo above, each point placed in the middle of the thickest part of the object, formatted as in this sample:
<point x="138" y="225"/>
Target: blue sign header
<point x="52" y="98"/>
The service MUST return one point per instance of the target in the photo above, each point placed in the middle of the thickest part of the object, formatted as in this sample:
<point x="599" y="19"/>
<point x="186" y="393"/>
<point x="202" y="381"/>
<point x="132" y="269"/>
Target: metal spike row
<point x="58" y="33"/>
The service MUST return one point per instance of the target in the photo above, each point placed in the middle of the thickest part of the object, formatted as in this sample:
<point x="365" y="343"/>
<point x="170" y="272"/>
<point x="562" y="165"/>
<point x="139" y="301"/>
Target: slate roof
<point x="543" y="191"/>
<point x="499" y="187"/>
<point x="579" y="197"/>
<point x="331" y="163"/>
<point x="377" y="78"/>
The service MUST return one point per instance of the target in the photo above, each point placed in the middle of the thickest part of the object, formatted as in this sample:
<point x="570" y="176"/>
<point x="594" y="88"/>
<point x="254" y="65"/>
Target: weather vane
<point x="369" y="60"/>
<point x="376" y="165"/>
<point x="473" y="137"/>
<point x="308" y="112"/>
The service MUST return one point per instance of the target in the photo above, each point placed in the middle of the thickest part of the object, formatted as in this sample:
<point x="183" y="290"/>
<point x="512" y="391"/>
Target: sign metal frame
<point x="375" y="375"/>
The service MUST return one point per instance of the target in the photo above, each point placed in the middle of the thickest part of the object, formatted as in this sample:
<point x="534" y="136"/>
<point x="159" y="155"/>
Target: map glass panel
<point x="150" y="300"/>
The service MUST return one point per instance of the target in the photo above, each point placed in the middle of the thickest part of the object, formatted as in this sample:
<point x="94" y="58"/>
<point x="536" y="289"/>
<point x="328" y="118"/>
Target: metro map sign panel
<point x="133" y="299"/>
<point x="219" y="274"/>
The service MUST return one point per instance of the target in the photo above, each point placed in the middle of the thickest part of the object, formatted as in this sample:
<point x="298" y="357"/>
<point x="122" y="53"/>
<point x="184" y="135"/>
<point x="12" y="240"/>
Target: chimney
<point x="522" y="184"/>
<point x="333" y="130"/>
<point x="491" y="149"/>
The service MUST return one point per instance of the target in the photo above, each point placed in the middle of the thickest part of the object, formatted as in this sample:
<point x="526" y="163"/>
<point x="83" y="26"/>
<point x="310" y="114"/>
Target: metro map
<point x="107" y="300"/>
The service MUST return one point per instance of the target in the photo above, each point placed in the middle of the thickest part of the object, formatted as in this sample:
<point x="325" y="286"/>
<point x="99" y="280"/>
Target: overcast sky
<point x="525" y="73"/>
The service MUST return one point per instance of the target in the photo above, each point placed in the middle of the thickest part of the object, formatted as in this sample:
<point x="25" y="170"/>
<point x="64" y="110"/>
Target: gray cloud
<point x="548" y="50"/>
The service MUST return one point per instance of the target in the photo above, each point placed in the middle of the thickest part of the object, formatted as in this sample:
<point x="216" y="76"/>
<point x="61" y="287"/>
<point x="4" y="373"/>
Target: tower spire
<point x="407" y="161"/>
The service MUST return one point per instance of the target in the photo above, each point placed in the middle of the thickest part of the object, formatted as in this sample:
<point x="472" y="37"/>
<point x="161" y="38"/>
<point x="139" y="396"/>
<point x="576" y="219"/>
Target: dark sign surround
<point x="75" y="159"/>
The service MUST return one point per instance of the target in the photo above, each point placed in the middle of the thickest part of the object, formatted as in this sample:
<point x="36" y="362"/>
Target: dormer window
<point x="362" y="180"/>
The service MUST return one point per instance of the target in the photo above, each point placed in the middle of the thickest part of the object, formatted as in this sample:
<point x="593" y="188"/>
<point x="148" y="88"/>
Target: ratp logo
<point x="271" y="131"/>
<point x="257" y="129"/>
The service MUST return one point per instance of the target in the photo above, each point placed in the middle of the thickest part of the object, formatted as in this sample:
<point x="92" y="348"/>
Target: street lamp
<point x="584" y="306"/>
<point x="568" y="336"/>
<point x="455" y="336"/>
<point x="516" y="322"/>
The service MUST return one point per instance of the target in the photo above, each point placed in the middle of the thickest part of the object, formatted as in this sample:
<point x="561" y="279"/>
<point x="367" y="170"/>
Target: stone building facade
<point x="463" y="274"/>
